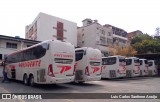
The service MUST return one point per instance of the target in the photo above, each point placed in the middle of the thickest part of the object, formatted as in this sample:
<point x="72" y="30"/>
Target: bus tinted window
<point x="128" y="62"/>
<point x="136" y="60"/>
<point x="95" y="63"/>
<point x="63" y="61"/>
<point x="141" y="62"/>
<point x="109" y="61"/>
<point x="79" y="54"/>
<point x="29" y="54"/>
<point x="150" y="63"/>
<point x="121" y="59"/>
<point x="145" y="61"/>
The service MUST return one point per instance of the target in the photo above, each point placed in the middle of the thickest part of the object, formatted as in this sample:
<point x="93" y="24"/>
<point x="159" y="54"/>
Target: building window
<point x="11" y="45"/>
<point x="103" y="40"/>
<point x="103" y="32"/>
<point x="109" y="33"/>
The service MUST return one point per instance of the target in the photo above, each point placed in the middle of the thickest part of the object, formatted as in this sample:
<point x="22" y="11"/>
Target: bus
<point x="113" y="67"/>
<point x="88" y="64"/>
<point x="143" y="67"/>
<point x="48" y="62"/>
<point x="132" y="67"/>
<point x="152" y="68"/>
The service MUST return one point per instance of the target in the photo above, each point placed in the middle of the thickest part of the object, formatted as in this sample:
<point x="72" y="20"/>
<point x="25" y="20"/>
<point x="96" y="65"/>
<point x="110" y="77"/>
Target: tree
<point x="157" y="31"/>
<point x="127" y="51"/>
<point x="146" y="44"/>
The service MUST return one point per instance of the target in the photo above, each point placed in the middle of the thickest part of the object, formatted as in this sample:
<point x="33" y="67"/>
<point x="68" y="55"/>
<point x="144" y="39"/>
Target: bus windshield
<point x="128" y="62"/>
<point x="109" y="61"/>
<point x="150" y="63"/>
<point x="141" y="62"/>
<point x="79" y="54"/>
<point x="136" y="60"/>
<point x="121" y="59"/>
<point x="95" y="63"/>
<point x="145" y="61"/>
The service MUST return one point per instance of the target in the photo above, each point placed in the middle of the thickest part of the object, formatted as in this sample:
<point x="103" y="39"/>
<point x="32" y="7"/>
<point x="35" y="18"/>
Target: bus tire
<point x="31" y="80"/>
<point x="25" y="79"/>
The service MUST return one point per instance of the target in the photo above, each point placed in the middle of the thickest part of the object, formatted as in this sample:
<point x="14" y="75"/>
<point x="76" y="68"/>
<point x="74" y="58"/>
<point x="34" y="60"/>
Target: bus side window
<point x="79" y="54"/>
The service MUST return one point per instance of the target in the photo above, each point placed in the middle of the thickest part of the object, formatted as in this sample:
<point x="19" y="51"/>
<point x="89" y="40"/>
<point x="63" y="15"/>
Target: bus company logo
<point x="63" y="55"/>
<point x="6" y="96"/>
<point x="95" y="69"/>
<point x="64" y="68"/>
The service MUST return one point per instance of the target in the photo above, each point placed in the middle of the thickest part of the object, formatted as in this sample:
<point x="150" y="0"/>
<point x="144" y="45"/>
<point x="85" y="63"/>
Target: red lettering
<point x="39" y="64"/>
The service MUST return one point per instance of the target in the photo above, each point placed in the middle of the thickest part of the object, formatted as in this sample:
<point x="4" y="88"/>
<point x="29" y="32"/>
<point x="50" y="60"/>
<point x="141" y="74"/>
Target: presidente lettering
<point x="30" y="64"/>
<point x="63" y="55"/>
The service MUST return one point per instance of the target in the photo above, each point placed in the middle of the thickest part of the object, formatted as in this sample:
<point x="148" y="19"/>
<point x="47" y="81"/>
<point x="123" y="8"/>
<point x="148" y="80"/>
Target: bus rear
<point x="61" y="62"/>
<point x="136" y="67"/>
<point x="113" y="67"/>
<point x="152" y="67"/>
<point x="144" y="67"/>
<point x="88" y="64"/>
<point x="121" y="65"/>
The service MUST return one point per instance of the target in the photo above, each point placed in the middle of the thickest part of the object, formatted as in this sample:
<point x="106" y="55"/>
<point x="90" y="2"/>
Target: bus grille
<point x="140" y="72"/>
<point x="150" y="73"/>
<point x="41" y="75"/>
<point x="112" y="74"/>
<point x="79" y="75"/>
<point x="128" y="73"/>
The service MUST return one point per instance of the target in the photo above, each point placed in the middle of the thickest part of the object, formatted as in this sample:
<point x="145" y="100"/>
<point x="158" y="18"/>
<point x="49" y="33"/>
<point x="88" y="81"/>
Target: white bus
<point x="88" y="64"/>
<point x="113" y="67"/>
<point x="143" y="67"/>
<point x="132" y="67"/>
<point x="48" y="62"/>
<point x="152" y="68"/>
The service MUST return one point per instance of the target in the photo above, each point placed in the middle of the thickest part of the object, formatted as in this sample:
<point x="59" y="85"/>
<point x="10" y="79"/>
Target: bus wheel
<point x="25" y="80"/>
<point x="31" y="81"/>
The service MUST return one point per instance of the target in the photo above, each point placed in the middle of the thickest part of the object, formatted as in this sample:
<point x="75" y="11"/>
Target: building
<point x="9" y="45"/>
<point x="134" y="34"/>
<point x="93" y="34"/>
<point x="119" y="36"/>
<point x="46" y="27"/>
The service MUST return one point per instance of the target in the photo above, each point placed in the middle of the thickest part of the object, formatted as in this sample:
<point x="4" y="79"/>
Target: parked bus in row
<point x="88" y="64"/>
<point x="48" y="62"/>
<point x="132" y="67"/>
<point x="152" y="68"/>
<point x="143" y="67"/>
<point x="113" y="67"/>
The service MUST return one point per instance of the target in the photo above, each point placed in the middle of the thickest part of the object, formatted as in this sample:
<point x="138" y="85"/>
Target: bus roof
<point x="47" y="41"/>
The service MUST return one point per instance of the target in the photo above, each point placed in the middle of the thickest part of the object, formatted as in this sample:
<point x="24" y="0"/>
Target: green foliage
<point x="146" y="44"/>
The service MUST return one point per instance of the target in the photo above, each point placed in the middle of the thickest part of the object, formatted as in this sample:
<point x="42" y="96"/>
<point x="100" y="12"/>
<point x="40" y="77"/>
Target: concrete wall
<point x="45" y="31"/>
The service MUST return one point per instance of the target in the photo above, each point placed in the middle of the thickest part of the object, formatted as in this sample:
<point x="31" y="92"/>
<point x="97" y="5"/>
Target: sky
<point x="129" y="15"/>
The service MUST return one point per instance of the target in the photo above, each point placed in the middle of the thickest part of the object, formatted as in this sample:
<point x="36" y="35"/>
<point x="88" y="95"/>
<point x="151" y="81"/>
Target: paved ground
<point x="131" y="85"/>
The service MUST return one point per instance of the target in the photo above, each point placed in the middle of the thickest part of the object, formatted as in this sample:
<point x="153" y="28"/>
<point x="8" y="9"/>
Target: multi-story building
<point x="93" y="34"/>
<point x="46" y="27"/>
<point x="134" y="34"/>
<point x="9" y="45"/>
<point x="119" y="36"/>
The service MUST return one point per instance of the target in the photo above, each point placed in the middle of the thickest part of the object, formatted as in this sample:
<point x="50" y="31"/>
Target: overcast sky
<point x="129" y="15"/>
